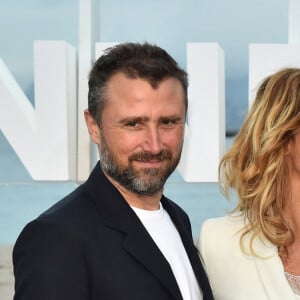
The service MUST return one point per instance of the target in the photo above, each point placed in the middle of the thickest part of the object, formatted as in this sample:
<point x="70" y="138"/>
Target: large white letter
<point x="266" y="59"/>
<point x="205" y="134"/>
<point x="294" y="22"/>
<point x="88" y="34"/>
<point x="44" y="138"/>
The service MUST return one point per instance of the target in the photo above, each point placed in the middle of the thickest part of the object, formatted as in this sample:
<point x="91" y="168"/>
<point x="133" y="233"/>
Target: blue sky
<point x="169" y="23"/>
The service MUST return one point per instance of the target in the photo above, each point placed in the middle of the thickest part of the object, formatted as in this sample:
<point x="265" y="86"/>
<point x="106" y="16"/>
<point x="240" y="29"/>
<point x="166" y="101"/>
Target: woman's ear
<point x="290" y="147"/>
<point x="92" y="126"/>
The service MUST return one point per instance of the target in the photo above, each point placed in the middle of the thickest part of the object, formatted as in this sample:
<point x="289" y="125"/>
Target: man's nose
<point x="152" y="142"/>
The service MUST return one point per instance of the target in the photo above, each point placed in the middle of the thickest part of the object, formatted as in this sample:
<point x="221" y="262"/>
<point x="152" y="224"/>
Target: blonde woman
<point x="254" y="253"/>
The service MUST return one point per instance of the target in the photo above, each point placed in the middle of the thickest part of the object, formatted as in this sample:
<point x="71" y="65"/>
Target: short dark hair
<point x="135" y="60"/>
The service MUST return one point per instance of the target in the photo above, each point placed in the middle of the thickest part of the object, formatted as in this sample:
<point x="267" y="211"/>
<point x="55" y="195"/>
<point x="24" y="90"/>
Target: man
<point x="116" y="236"/>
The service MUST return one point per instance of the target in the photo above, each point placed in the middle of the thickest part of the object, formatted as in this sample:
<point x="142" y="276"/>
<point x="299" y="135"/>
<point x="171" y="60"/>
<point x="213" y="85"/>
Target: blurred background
<point x="171" y="24"/>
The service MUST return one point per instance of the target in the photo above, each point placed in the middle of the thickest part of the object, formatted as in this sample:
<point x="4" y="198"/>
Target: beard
<point x="146" y="181"/>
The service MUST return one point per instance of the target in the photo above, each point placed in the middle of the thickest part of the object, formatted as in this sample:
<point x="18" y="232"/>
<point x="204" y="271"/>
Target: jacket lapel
<point x="141" y="246"/>
<point x="185" y="233"/>
<point x="271" y="271"/>
<point x="118" y="215"/>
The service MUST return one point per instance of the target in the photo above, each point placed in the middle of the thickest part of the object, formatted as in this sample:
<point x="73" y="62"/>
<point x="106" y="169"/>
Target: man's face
<point x="141" y="133"/>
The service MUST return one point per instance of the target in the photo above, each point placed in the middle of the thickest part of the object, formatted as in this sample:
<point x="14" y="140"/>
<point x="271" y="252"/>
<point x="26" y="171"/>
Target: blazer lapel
<point x="187" y="239"/>
<point x="141" y="246"/>
<point x="118" y="215"/>
<point x="271" y="271"/>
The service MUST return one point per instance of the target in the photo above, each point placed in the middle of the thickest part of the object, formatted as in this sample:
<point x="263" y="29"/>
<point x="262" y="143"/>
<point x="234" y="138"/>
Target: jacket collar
<point x="271" y="271"/>
<point x="185" y="233"/>
<point x="268" y="264"/>
<point x="117" y="214"/>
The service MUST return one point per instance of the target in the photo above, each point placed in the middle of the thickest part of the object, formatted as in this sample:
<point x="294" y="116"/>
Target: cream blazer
<point x="235" y="275"/>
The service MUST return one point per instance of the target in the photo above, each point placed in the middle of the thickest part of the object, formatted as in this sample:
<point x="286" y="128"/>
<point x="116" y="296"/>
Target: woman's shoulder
<point x="223" y="231"/>
<point x="230" y="223"/>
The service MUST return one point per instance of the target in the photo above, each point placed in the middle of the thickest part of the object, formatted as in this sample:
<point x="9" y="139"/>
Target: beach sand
<point x="6" y="273"/>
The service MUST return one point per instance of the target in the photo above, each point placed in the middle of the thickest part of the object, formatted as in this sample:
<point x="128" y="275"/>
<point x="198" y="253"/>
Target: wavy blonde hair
<point x="256" y="165"/>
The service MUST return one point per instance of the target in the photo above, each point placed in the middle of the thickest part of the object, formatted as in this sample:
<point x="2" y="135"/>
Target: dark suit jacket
<point x="92" y="246"/>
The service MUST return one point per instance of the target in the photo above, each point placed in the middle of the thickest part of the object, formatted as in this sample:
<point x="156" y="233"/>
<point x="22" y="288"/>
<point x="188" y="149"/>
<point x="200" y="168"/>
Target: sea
<point x="22" y="199"/>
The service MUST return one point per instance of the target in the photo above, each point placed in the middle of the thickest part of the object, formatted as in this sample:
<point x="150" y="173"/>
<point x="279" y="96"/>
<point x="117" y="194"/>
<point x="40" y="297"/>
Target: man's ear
<point x="92" y="126"/>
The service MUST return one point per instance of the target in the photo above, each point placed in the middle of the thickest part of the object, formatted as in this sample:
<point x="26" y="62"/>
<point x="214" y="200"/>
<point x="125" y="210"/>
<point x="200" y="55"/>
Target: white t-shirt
<point x="164" y="233"/>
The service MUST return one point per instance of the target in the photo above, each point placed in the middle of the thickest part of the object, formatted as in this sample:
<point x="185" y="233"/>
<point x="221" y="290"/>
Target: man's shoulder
<point x="171" y="204"/>
<point x="176" y="212"/>
<point x="72" y="213"/>
<point x="71" y="204"/>
<point x="71" y="218"/>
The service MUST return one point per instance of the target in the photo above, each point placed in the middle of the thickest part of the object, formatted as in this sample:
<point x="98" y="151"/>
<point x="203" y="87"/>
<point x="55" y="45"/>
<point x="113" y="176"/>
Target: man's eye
<point x="132" y="124"/>
<point x="168" y="122"/>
